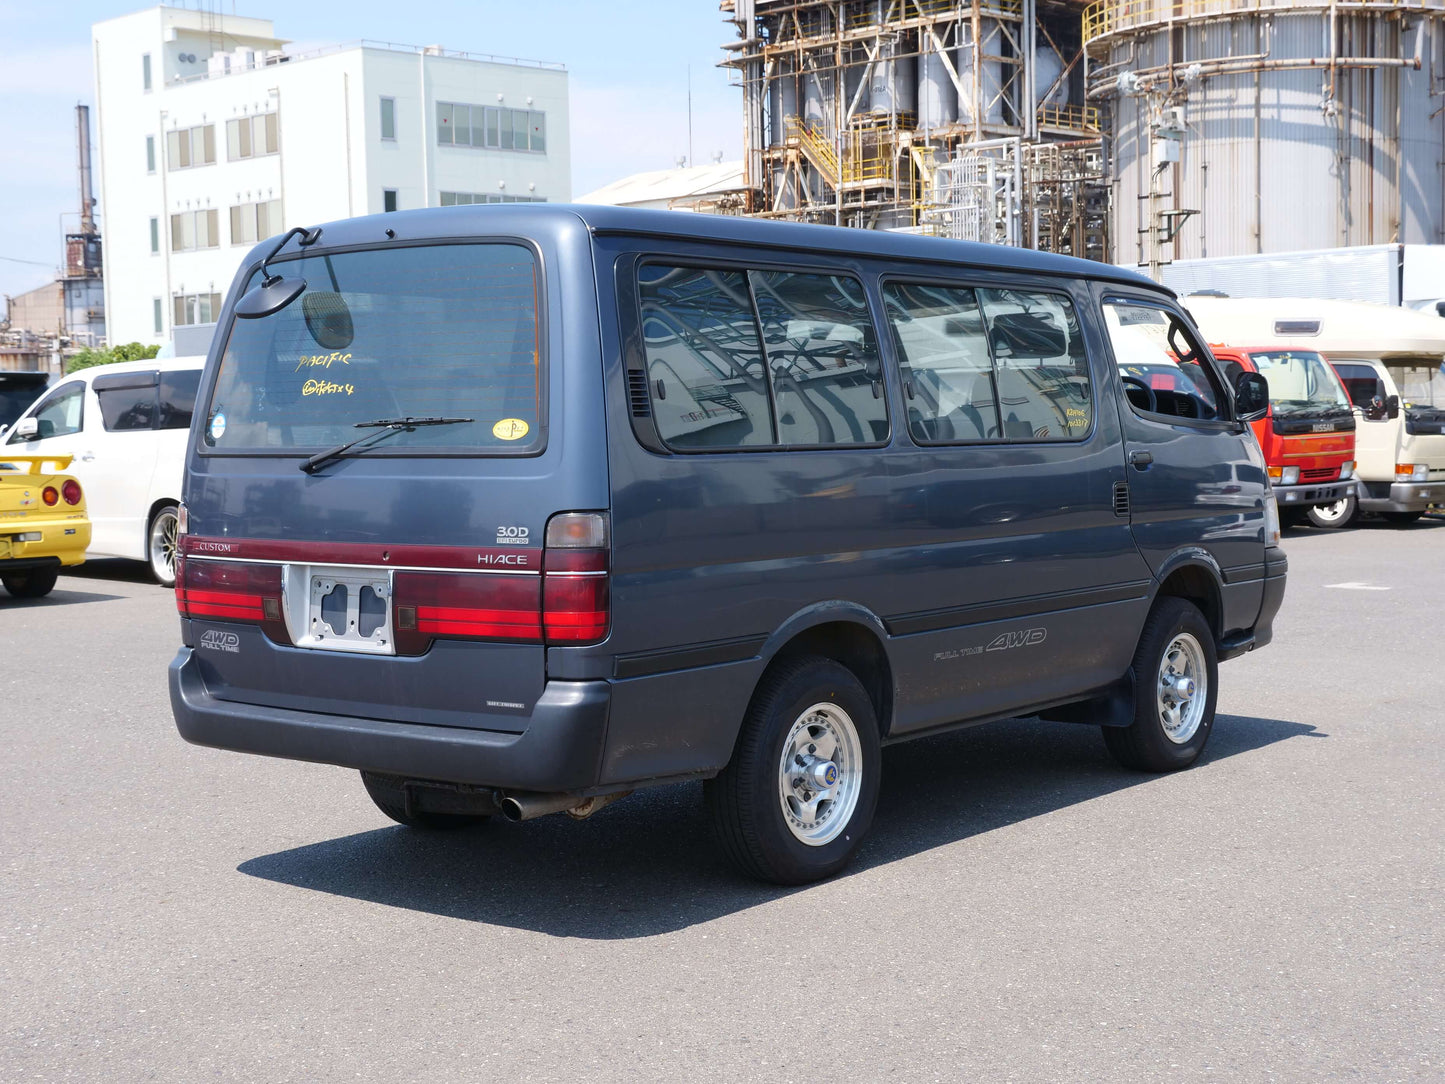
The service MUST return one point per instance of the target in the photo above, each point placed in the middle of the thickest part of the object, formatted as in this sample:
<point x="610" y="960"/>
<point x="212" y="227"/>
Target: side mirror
<point x="1251" y="397"/>
<point x="27" y="429"/>
<point x="1392" y="407"/>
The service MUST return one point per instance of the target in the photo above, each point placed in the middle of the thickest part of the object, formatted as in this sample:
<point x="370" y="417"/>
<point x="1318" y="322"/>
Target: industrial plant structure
<point x="1135" y="131"/>
<point x="964" y="119"/>
<point x="1286" y="125"/>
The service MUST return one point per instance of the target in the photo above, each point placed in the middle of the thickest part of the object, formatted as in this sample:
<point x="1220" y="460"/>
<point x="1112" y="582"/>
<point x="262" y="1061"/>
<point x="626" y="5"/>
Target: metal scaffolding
<point x="964" y="119"/>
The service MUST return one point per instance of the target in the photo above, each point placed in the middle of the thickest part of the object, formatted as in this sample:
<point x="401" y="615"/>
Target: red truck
<point x="1308" y="436"/>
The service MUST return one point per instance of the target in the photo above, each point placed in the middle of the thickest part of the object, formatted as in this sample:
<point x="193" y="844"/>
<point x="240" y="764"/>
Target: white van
<point x="125" y="427"/>
<point x="1390" y="362"/>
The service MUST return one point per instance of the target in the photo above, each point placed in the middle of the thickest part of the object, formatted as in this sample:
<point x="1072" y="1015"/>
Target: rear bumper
<point x="1400" y="496"/>
<point x="1308" y="496"/>
<point x="61" y="541"/>
<point x="561" y="749"/>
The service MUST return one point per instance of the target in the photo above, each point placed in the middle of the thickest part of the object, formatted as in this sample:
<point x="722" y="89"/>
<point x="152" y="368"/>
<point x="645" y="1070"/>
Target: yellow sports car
<point x="43" y="524"/>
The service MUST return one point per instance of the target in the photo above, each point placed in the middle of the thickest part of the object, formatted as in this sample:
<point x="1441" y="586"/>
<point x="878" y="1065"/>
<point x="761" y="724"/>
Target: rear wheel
<point x="798" y="796"/>
<point x="1176" y="677"/>
<point x="1402" y="519"/>
<point x="390" y="797"/>
<point x="34" y="583"/>
<point x="161" y="543"/>
<point x="1338" y="514"/>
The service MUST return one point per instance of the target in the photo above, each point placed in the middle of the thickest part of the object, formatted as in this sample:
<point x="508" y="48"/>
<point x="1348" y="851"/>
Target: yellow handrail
<point x="816" y="146"/>
<point x="1075" y="118"/>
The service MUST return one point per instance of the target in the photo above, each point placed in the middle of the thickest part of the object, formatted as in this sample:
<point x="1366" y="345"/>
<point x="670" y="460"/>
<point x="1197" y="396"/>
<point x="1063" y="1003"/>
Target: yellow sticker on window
<point x="510" y="429"/>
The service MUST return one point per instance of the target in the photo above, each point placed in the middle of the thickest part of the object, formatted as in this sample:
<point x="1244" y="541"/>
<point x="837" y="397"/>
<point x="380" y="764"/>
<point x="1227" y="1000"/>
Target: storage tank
<point x="937" y="96"/>
<point x="1305" y="128"/>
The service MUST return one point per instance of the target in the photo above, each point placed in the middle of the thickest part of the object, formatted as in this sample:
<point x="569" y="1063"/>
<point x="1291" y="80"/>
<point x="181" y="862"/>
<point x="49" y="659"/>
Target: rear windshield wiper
<point x="384" y="426"/>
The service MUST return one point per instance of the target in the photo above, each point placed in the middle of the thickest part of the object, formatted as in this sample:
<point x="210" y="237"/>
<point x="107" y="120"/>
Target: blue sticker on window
<point x="218" y="426"/>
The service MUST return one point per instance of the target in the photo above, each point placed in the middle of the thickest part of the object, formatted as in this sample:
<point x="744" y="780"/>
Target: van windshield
<point x="1300" y="381"/>
<point x="406" y="332"/>
<point x="1422" y="389"/>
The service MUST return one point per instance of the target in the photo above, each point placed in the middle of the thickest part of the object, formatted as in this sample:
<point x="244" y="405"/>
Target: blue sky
<point x="628" y="64"/>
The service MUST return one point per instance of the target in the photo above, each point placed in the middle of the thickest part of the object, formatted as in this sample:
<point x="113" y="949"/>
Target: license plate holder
<point x="339" y="608"/>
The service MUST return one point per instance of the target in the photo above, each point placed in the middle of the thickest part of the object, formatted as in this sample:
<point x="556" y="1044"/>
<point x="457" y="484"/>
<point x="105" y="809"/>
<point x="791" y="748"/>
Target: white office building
<point x="212" y="135"/>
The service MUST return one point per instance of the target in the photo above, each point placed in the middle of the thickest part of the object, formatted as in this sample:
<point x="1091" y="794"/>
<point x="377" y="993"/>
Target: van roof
<point x="451" y="222"/>
<point x="1340" y="328"/>
<point x="165" y="365"/>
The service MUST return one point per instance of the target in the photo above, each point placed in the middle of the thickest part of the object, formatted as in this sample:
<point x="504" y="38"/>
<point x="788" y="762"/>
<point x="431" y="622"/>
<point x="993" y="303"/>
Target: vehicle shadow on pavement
<point x="59" y="597"/>
<point x="645" y="866"/>
<point x="116" y="570"/>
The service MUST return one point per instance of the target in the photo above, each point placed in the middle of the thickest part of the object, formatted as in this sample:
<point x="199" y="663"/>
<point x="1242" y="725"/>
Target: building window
<point x="252" y="222"/>
<point x="150" y="154"/>
<point x="196" y="309"/>
<point x="252" y="137"/>
<point x="155" y="235"/>
<point x="463" y="199"/>
<point x="195" y="229"/>
<point x="145" y="72"/>
<point x="388" y="199"/>
<point x="460" y="125"/>
<point x="388" y="118"/>
<point x="158" y="312"/>
<point x="187" y="148"/>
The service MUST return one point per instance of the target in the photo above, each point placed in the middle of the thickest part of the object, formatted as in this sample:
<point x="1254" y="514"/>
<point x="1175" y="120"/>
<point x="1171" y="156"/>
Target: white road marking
<point x="1357" y="586"/>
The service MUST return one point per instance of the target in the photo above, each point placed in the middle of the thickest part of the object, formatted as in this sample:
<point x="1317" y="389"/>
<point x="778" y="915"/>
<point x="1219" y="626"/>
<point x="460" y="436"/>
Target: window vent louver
<point x="637" y="394"/>
<point x="1121" y="499"/>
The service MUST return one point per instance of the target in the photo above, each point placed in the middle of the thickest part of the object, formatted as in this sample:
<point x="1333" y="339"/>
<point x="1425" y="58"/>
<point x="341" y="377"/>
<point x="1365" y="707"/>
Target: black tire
<point x="386" y="792"/>
<point x="745" y="802"/>
<point x="1145" y="745"/>
<point x="1402" y="519"/>
<point x="33" y="583"/>
<point x="1333" y="516"/>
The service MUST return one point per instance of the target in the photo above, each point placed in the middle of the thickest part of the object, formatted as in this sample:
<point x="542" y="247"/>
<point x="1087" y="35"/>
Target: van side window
<point x="60" y="415"/>
<point x="127" y="408"/>
<point x="1041" y="370"/>
<point x="704" y="358"/>
<point x="1164" y="368"/>
<point x="822" y="358"/>
<point x="1362" y="382"/>
<point x="948" y="379"/>
<point x="178" y="398"/>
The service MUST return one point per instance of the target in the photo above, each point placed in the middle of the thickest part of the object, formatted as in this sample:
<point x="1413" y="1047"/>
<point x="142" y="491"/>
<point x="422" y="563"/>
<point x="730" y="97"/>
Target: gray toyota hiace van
<point x="517" y="509"/>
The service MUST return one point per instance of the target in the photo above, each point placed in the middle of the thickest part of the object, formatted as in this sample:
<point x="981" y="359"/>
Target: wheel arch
<point x="1194" y="575"/>
<point x="847" y="633"/>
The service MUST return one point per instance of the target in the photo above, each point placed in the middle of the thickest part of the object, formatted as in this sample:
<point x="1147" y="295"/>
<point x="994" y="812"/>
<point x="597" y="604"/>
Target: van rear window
<point x="436" y="331"/>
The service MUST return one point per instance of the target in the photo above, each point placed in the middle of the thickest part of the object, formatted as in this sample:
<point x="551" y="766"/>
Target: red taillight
<point x="71" y="491"/>
<point x="231" y="591"/>
<point x="576" y="597"/>
<point x="50" y="495"/>
<point x="466" y="606"/>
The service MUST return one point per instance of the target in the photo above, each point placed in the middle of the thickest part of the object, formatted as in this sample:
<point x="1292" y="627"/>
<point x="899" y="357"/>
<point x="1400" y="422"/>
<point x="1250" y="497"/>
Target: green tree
<point x="89" y="356"/>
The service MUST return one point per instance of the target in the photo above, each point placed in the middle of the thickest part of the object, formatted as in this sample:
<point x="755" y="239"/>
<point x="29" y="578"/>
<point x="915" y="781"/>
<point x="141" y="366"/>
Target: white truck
<point x="1390" y="361"/>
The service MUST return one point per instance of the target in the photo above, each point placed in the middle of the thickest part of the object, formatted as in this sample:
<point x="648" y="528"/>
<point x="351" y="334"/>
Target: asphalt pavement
<point x="1023" y="910"/>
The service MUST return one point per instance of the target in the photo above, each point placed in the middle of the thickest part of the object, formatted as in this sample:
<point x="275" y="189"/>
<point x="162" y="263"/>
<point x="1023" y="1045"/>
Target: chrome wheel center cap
<point x="1184" y="688"/>
<point x="823" y="774"/>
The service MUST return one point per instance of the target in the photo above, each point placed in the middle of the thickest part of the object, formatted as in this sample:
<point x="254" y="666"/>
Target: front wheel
<point x="1176" y="679"/>
<point x="161" y="542"/>
<point x="36" y="583"/>
<point x="1402" y="519"/>
<point x="796" y="799"/>
<point x="1338" y="514"/>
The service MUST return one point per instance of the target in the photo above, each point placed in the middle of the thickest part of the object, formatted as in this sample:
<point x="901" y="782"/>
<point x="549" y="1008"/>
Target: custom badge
<point x="511" y="429"/>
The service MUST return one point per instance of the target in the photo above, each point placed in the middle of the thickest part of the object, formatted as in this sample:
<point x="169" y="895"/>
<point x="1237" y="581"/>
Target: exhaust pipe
<point x="523" y="807"/>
